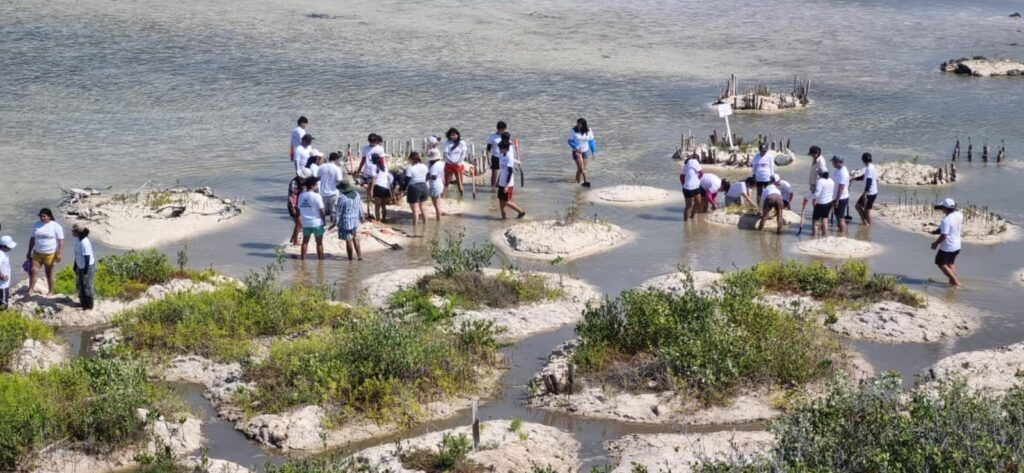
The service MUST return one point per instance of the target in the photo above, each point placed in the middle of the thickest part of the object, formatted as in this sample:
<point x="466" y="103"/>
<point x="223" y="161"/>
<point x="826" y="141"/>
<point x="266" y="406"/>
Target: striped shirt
<point x="348" y="212"/>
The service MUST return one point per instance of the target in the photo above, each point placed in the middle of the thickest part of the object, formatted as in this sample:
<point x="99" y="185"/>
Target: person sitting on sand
<point x="44" y="248"/>
<point x="303" y="153"/>
<point x="867" y="199"/>
<point x="297" y="133"/>
<point x="507" y="180"/>
<point x="771" y="200"/>
<point x="738" y="193"/>
<point x="581" y="140"/>
<point x="492" y="149"/>
<point x="690" y="178"/>
<point x="311" y="210"/>
<point x="710" y="184"/>
<point x="435" y="175"/>
<point x="330" y="175"/>
<point x="785" y="188"/>
<point x="824" y="193"/>
<point x="948" y="242"/>
<point x="416" y="187"/>
<point x="818" y="165"/>
<point x="841" y="200"/>
<point x="85" y="267"/>
<point x="6" y="245"/>
<point x="763" y="166"/>
<point x="454" y="151"/>
<point x="383" y="180"/>
<point x="348" y="215"/>
<point x="295" y="187"/>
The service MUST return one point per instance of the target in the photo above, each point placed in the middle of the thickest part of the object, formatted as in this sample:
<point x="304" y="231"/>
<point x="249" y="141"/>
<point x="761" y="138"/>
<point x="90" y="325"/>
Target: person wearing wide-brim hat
<point x="6" y="245"/>
<point x="85" y="267"/>
<point x="435" y="177"/>
<point x="948" y="243"/>
<point x="348" y="214"/>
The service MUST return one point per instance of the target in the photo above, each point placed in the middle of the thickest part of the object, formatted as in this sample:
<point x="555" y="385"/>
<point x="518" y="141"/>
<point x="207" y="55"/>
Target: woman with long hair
<point x="454" y="151"/>
<point x="581" y="140"/>
<point x="44" y="248"/>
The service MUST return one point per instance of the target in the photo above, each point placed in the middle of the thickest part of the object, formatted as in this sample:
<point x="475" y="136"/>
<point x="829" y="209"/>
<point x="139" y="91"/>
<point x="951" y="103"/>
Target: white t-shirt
<point x="5" y="269"/>
<point x="506" y="177"/>
<point x="310" y="206"/>
<point x="770" y="189"/>
<point x="314" y="170"/>
<point x="383" y="179"/>
<point x="841" y="176"/>
<point x="417" y="173"/>
<point x="297" y="134"/>
<point x="737" y="189"/>
<point x="869" y="173"/>
<point x="302" y="154"/>
<point x="46" y="236"/>
<point x="710" y="182"/>
<point x="330" y="176"/>
<point x="787" y="190"/>
<point x="817" y="166"/>
<point x="582" y="139"/>
<point x="824" y="191"/>
<point x="950" y="227"/>
<point x="437" y="170"/>
<point x="453" y="153"/>
<point x="493" y="141"/>
<point x="764" y="167"/>
<point x="368" y="167"/>
<point x="84" y="257"/>
<point x="691" y="169"/>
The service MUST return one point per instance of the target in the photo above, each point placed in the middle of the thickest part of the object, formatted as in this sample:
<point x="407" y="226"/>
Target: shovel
<point x="393" y="246"/>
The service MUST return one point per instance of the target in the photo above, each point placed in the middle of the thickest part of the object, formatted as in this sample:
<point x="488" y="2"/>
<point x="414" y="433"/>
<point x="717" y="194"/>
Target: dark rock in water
<point x="321" y="16"/>
<point x="1015" y="15"/>
<point x="783" y="159"/>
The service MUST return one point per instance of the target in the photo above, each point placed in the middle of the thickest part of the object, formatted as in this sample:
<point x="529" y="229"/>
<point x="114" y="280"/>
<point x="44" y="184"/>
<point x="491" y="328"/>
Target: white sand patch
<point x="837" y="247"/>
<point x="893" y="322"/>
<point x="704" y="281"/>
<point x="449" y="206"/>
<point x="905" y="173"/>
<point x="978" y="227"/>
<point x="633" y="196"/>
<point x="992" y="371"/>
<point x="679" y="453"/>
<point x="36" y="355"/>
<point x="520" y="322"/>
<point x="748" y="220"/>
<point x="983" y="67"/>
<point x="152" y="217"/>
<point x="212" y="465"/>
<point x="502" y="449"/>
<point x="550" y="239"/>
<point x="373" y="237"/>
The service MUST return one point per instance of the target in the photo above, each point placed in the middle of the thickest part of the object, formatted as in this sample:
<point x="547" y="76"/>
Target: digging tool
<point x="393" y="246"/>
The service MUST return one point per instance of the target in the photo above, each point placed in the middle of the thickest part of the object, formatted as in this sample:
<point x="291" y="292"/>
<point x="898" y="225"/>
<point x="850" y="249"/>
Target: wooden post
<point x="554" y="383"/>
<point x="984" y="152"/>
<point x="570" y="380"/>
<point x="970" y="149"/>
<point x="476" y="429"/>
<point x="1002" y="152"/>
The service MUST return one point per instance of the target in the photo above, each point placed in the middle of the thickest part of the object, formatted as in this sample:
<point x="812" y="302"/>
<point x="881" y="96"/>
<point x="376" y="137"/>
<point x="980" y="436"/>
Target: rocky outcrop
<point x="37" y="355"/>
<point x="980" y="66"/>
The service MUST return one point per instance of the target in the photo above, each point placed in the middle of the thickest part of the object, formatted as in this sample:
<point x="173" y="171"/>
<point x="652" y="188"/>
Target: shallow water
<point x="116" y="93"/>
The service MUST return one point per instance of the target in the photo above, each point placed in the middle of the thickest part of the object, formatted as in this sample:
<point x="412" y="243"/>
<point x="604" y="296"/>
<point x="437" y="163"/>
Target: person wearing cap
<point x="824" y="193"/>
<point x="435" y="175"/>
<point x="771" y="200"/>
<point x="383" y="181"/>
<point x="507" y="181"/>
<point x="85" y="267"/>
<point x="948" y="242"/>
<point x="311" y="211"/>
<point x="330" y="175"/>
<point x="348" y="214"/>
<point x="416" y="187"/>
<point x="690" y="179"/>
<point x="710" y="184"/>
<point x="785" y="188"/>
<point x="501" y="134"/>
<point x="454" y="151"/>
<point x="297" y="133"/>
<point x="303" y="152"/>
<point x="295" y="187"/>
<point x="763" y="166"/>
<point x="818" y="166"/>
<point x="841" y="197"/>
<point x="6" y="245"/>
<point x="44" y="248"/>
<point x="867" y="199"/>
<point x="584" y="147"/>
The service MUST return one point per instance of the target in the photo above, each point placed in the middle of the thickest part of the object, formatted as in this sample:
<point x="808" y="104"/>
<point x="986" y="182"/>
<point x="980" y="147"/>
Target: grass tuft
<point x="15" y="329"/>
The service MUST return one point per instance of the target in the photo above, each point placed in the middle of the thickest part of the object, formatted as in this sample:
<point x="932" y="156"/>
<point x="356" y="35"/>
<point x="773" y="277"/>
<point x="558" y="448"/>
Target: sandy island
<point x="981" y="66"/>
<point x="633" y="196"/>
<point x="991" y="371"/>
<point x="149" y="218"/>
<point x="373" y="237"/>
<point x="837" y="247"/>
<point x="551" y="239"/>
<point x="748" y="221"/>
<point x="449" y="206"/>
<point x="979" y="227"/>
<point x="679" y="453"/>
<point x="906" y="173"/>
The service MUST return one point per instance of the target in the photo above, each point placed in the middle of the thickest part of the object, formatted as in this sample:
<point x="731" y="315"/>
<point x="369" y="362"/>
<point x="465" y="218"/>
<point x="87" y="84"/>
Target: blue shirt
<point x="348" y="212"/>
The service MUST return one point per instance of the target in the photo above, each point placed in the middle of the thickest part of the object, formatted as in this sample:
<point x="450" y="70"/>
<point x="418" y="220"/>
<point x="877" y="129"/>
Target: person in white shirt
<point x="818" y="165"/>
<point x="454" y="151"/>
<point x="303" y="153"/>
<point x="785" y="188"/>
<point x="311" y="211"/>
<point x="948" y="242"/>
<point x="330" y="176"/>
<point x="416" y="187"/>
<point x="296" y="137"/>
<point x="6" y="245"/>
<point x="368" y="163"/>
<point x="771" y="200"/>
<point x="738" y="193"/>
<point x="581" y="140"/>
<point x="690" y="178"/>
<point x="763" y="166"/>
<point x="824" y="193"/>
<point x="710" y="183"/>
<point x="435" y="175"/>
<point x="85" y="267"/>
<point x="44" y="248"/>
<point x="841" y="199"/>
<point x="383" y="181"/>
<point x="507" y="181"/>
<point x="867" y="199"/>
<point x="493" y="141"/>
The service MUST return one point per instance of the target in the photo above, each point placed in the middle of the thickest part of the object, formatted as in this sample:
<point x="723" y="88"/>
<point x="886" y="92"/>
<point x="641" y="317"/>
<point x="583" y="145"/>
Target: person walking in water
<point x="295" y="187"/>
<point x="383" y="181"/>
<point x="841" y="199"/>
<point x="435" y="175"/>
<point x="416" y="187"/>
<point x="763" y="166"/>
<point x="824" y="193"/>
<point x="330" y="175"/>
<point x="6" y="245"/>
<point x="85" y="267"/>
<point x="771" y="201"/>
<point x="454" y="151"/>
<point x="948" y="242"/>
<point x="296" y="137"/>
<point x="492" y="149"/>
<point x="348" y="215"/>
<point x="690" y="178"/>
<point x="818" y="166"/>
<point x="867" y="200"/>
<point x="311" y="210"/>
<point x="507" y="180"/>
<point x="584" y="147"/>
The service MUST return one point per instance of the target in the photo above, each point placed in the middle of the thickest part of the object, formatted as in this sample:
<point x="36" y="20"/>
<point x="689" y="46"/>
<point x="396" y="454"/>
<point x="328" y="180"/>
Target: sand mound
<point x="892" y="322"/>
<point x="373" y="237"/>
<point x="980" y="66"/>
<point x="730" y="216"/>
<point x="905" y="173"/>
<point x="37" y="355"/>
<point x="520" y="322"/>
<point x="632" y="196"/>
<point x="979" y="227"/>
<point x="151" y="218"/>
<point x="552" y="239"/>
<point x="502" y="449"/>
<point x="990" y="371"/>
<point x="679" y="452"/>
<point x="676" y="282"/>
<point x="837" y="247"/>
<point x="451" y="207"/>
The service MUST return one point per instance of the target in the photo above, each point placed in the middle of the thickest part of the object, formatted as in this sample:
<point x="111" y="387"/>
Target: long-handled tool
<point x="803" y="210"/>
<point x="472" y="177"/>
<point x="393" y="246"/>
<point x="519" y="154"/>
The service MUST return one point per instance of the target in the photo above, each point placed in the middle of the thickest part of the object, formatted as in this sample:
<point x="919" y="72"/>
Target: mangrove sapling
<point x="15" y="329"/>
<point x="452" y="456"/>
<point x="128" y="275"/>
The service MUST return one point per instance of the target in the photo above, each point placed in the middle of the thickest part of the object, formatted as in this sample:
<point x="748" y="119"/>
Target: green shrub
<point x="452" y="456"/>
<point x="127" y="276"/>
<point x="23" y="414"/>
<point x="15" y="329"/>
<point x="326" y="464"/>
<point x="451" y="256"/>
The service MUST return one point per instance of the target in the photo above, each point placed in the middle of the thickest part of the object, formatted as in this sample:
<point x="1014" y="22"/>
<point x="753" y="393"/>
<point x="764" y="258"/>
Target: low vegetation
<point x="709" y="345"/>
<point x="452" y="456"/>
<point x="878" y="426"/>
<point x="15" y="329"/>
<point x="127" y="276"/>
<point x="89" y="404"/>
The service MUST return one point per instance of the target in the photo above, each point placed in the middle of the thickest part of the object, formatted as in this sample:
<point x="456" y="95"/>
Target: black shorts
<point x="943" y="258"/>
<point x="505" y="193"/>
<point x="821" y="211"/>
<point x="5" y="298"/>
<point x="292" y="211"/>
<point x="868" y="201"/>
<point x="416" y="193"/>
<point x="841" y="207"/>
<point x="772" y="201"/>
<point x="380" y="192"/>
<point x="692" y="193"/>
<point x="495" y="163"/>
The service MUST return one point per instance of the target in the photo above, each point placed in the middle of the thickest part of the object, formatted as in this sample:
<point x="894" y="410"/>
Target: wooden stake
<point x="476" y="429"/>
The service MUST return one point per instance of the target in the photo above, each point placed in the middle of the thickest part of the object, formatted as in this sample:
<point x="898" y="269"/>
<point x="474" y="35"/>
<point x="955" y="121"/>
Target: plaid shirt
<point x="348" y="212"/>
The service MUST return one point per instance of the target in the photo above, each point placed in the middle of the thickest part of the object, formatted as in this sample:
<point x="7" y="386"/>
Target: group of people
<point x="45" y="247"/>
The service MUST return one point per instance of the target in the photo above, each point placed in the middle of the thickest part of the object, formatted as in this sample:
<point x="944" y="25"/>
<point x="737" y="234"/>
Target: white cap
<point x="7" y="241"/>
<point x="776" y="177"/>
<point x="432" y="140"/>
<point x="305" y="172"/>
<point x="948" y="203"/>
